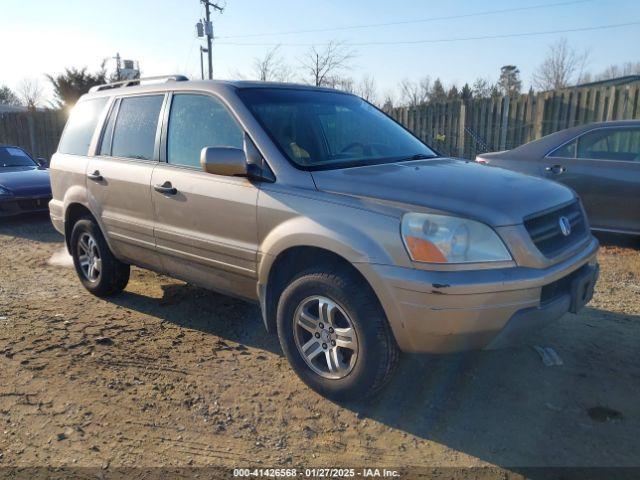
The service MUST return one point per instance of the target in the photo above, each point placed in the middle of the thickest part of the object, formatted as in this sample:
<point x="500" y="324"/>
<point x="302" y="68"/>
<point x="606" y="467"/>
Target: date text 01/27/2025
<point x="316" y="472"/>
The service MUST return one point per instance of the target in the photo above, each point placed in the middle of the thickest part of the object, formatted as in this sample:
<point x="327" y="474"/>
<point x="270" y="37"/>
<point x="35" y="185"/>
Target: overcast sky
<point x="38" y="37"/>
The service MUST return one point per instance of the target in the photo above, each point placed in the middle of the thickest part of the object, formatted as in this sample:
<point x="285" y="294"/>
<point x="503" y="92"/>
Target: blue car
<point x="24" y="183"/>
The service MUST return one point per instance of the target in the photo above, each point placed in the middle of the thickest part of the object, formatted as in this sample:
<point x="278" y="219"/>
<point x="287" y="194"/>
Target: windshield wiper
<point x="417" y="156"/>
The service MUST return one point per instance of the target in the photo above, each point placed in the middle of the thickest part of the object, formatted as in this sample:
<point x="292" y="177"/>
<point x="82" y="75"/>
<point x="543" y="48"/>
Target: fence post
<point x="539" y="115"/>
<point x="32" y="134"/>
<point x="504" y="123"/>
<point x="612" y="99"/>
<point x="461" y="125"/>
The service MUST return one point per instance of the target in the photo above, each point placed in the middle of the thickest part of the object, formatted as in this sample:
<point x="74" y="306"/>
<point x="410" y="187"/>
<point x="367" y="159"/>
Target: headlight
<point x="443" y="239"/>
<point x="4" y="192"/>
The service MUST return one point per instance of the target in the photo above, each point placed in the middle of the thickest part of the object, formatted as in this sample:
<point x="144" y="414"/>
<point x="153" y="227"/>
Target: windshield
<point x="15" y="157"/>
<point x="320" y="130"/>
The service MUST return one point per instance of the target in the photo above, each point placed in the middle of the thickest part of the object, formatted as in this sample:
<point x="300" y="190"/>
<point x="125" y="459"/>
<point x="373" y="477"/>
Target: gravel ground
<point x="167" y="374"/>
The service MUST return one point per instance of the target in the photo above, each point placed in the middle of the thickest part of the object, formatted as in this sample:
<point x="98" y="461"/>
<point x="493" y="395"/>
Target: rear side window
<point x="610" y="144"/>
<point x="134" y="133"/>
<point x="195" y="122"/>
<point x="80" y="126"/>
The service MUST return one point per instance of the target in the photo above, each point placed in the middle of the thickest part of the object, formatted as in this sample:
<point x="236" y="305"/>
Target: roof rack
<point x="138" y="81"/>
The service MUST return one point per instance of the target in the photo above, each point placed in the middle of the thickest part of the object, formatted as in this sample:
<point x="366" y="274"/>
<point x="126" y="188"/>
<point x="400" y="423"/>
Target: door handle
<point x="166" y="188"/>
<point x="556" y="169"/>
<point x="95" y="176"/>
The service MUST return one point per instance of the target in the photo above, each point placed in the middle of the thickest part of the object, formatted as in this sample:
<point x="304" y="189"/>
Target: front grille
<point x="33" y="204"/>
<point x="545" y="232"/>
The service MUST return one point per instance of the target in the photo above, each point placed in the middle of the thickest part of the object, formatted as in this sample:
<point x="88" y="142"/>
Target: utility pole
<point x="117" y="59"/>
<point x="208" y="30"/>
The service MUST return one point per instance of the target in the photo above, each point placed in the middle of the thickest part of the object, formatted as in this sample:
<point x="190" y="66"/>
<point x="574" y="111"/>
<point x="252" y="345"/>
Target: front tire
<point x="99" y="271"/>
<point x="335" y="334"/>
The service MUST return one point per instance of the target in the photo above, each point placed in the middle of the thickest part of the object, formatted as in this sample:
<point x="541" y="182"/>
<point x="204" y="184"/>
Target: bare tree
<point x="389" y="101"/>
<point x="563" y="65"/>
<point x="324" y="65"/>
<point x="346" y="84"/>
<point x="31" y="93"/>
<point x="272" y="67"/>
<point x="367" y="88"/>
<point x="613" y="71"/>
<point x="414" y="93"/>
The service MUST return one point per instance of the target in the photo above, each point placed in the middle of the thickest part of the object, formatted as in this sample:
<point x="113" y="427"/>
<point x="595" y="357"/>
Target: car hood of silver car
<point x="491" y="195"/>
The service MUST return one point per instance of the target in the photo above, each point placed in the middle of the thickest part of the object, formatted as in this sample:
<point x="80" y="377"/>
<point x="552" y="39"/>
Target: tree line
<point x="329" y="66"/>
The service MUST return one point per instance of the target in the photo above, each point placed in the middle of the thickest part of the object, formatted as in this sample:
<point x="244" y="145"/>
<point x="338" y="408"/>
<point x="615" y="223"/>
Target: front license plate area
<point x="582" y="289"/>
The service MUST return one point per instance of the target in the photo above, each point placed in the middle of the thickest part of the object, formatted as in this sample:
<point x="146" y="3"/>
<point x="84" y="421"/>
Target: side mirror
<point x="228" y="161"/>
<point x="43" y="162"/>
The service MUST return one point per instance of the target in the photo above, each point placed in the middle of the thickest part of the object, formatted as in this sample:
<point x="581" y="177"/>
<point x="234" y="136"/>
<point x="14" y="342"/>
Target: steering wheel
<point x="365" y="148"/>
<point x="353" y="145"/>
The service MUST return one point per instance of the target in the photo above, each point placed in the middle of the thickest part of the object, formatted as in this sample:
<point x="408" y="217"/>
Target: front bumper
<point x="12" y="206"/>
<point x="443" y="312"/>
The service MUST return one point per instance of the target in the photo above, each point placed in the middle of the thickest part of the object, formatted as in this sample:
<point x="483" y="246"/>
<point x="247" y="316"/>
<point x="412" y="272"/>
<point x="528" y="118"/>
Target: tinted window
<point x="319" y="130"/>
<point x="134" y="134"/>
<point x="80" y="126"/>
<point x="195" y="122"/>
<point x="15" y="157"/>
<point x="610" y="144"/>
<point x="566" y="151"/>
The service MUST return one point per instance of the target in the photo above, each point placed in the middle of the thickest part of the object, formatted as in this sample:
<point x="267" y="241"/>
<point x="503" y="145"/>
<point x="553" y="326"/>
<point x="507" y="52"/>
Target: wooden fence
<point x="37" y="132"/>
<point x="484" y="125"/>
<point x="453" y="128"/>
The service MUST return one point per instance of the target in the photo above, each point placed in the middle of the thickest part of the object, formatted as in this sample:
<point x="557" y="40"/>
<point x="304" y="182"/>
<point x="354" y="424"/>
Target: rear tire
<point x="99" y="271"/>
<point x="335" y="334"/>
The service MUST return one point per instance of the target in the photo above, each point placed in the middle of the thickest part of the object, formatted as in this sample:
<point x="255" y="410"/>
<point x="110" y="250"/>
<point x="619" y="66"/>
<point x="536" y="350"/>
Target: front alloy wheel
<point x="335" y="334"/>
<point x="325" y="337"/>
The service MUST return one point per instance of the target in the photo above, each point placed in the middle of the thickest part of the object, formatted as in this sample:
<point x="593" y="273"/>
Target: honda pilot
<point x="357" y="240"/>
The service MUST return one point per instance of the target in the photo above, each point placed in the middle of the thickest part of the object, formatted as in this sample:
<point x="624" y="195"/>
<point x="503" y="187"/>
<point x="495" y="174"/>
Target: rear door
<point x="119" y="177"/>
<point x="603" y="167"/>
<point x="206" y="227"/>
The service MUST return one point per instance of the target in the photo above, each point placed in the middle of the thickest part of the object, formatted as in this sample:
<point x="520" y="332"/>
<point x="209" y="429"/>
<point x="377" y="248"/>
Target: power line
<point x="440" y="40"/>
<point x="408" y="22"/>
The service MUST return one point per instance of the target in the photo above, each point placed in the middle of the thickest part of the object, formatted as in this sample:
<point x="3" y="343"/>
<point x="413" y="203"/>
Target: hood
<point x="23" y="181"/>
<point x="491" y="195"/>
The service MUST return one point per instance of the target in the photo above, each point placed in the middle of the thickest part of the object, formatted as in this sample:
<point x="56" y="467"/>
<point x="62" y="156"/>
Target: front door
<point x="206" y="230"/>
<point x="603" y="167"/>
<point x="119" y="178"/>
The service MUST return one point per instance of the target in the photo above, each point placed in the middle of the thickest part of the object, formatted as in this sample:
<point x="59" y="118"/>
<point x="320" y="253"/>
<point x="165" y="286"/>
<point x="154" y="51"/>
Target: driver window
<point x="198" y="121"/>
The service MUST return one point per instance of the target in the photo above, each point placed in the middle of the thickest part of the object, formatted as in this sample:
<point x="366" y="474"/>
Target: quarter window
<point x="105" y="144"/>
<point x="566" y="151"/>
<point x="80" y="126"/>
<point x="610" y="144"/>
<point x="195" y="122"/>
<point x="134" y="133"/>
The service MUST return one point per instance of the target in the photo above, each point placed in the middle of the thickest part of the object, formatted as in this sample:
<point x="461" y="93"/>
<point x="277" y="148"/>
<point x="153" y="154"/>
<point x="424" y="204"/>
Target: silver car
<point x="356" y="239"/>
<point x="600" y="161"/>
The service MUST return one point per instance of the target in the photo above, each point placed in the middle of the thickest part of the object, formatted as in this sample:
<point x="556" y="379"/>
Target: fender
<point x="355" y="243"/>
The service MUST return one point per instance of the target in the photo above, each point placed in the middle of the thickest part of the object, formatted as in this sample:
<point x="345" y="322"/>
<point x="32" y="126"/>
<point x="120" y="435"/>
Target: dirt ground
<point x="166" y="374"/>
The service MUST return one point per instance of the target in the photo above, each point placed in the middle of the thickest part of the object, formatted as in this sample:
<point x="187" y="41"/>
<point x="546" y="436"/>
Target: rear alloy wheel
<point x="99" y="271"/>
<point x="89" y="257"/>
<point x="335" y="334"/>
